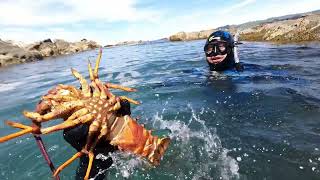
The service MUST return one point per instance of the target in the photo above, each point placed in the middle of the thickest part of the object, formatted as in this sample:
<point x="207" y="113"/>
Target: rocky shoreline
<point x="286" y="29"/>
<point x="15" y="53"/>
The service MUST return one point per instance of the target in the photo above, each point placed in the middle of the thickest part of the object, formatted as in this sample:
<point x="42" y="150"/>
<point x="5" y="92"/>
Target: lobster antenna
<point x="95" y="73"/>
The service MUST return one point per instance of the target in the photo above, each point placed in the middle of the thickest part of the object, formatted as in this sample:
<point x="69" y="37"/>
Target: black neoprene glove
<point x="239" y="67"/>
<point x="77" y="138"/>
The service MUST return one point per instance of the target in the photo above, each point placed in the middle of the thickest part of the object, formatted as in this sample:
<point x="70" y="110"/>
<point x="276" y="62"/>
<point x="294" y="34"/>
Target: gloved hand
<point x="239" y="67"/>
<point x="77" y="138"/>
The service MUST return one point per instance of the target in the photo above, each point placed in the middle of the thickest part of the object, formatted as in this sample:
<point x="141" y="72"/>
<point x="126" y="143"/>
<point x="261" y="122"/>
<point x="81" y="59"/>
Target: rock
<point x="108" y="45"/>
<point x="46" y="48"/>
<point x="82" y="46"/>
<point x="180" y="36"/>
<point x="188" y="36"/>
<point x="306" y="28"/>
<point x="47" y="41"/>
<point x="13" y="54"/>
<point x="204" y="34"/>
<point x="131" y="43"/>
<point x="285" y="29"/>
<point x="62" y="46"/>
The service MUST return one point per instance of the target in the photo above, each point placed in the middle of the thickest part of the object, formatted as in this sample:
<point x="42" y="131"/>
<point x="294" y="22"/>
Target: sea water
<point x="263" y="123"/>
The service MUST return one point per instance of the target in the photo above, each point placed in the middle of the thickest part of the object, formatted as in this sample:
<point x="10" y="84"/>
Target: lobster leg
<point x="69" y="161"/>
<point x="103" y="132"/>
<point x="25" y="130"/>
<point x="130" y="100"/>
<point x="79" y="154"/>
<point x="70" y="88"/>
<point x="91" y="157"/>
<point x="104" y="91"/>
<point x="59" y="98"/>
<point x="67" y="124"/>
<point x="116" y="86"/>
<point x="85" y="87"/>
<point x="60" y="110"/>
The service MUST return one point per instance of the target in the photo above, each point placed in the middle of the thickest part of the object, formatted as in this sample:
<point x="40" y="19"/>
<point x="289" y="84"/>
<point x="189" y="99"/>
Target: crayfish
<point x="93" y="104"/>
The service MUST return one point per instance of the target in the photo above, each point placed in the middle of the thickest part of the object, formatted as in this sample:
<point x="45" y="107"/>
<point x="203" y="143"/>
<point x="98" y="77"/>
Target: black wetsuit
<point x="77" y="138"/>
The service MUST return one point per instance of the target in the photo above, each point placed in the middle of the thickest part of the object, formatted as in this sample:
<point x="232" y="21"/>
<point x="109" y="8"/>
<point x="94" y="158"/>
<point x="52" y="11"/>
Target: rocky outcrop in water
<point x="60" y="47"/>
<point x="293" y="30"/>
<point x="187" y="36"/>
<point x="15" y="53"/>
<point x="285" y="29"/>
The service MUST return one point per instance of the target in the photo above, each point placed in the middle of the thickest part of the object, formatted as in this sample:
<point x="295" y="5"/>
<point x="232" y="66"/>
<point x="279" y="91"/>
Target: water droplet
<point x="239" y="159"/>
<point x="301" y="167"/>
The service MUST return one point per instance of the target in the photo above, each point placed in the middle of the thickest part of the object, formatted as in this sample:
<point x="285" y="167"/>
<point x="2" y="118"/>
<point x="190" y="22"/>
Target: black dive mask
<point x="217" y="48"/>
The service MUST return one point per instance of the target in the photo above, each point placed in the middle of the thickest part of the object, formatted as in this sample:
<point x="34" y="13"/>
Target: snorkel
<point x="235" y="48"/>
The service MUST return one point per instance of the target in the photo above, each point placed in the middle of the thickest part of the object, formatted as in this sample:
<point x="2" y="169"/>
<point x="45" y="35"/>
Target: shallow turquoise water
<point x="260" y="124"/>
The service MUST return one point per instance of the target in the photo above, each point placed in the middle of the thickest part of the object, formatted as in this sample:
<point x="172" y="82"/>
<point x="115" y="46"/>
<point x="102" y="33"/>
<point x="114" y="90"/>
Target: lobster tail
<point x="130" y="136"/>
<point x="157" y="149"/>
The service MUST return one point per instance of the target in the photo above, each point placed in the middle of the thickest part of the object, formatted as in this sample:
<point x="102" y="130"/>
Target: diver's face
<point x="216" y="52"/>
<point x="216" y="59"/>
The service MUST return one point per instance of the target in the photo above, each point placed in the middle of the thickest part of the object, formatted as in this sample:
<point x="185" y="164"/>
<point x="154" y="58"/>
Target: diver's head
<point x="218" y="46"/>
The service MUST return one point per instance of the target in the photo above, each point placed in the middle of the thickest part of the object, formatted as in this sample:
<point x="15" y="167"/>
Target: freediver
<point x="221" y="53"/>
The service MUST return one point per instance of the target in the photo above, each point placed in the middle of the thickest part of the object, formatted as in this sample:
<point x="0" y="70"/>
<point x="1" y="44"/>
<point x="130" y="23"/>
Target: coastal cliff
<point x="285" y="29"/>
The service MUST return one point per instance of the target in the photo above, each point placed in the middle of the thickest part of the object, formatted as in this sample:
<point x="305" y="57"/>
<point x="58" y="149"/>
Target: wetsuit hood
<point x="221" y="36"/>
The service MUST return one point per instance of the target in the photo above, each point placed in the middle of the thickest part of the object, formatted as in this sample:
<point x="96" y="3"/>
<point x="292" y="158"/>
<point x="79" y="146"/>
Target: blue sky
<point x="111" y="21"/>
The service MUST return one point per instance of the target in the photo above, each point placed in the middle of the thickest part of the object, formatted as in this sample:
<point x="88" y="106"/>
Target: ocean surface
<point x="263" y="123"/>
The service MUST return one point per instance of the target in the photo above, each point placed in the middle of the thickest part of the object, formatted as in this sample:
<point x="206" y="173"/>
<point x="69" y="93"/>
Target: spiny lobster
<point x="96" y="106"/>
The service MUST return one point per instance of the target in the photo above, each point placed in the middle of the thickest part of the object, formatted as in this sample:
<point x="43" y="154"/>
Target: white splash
<point x="192" y="154"/>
